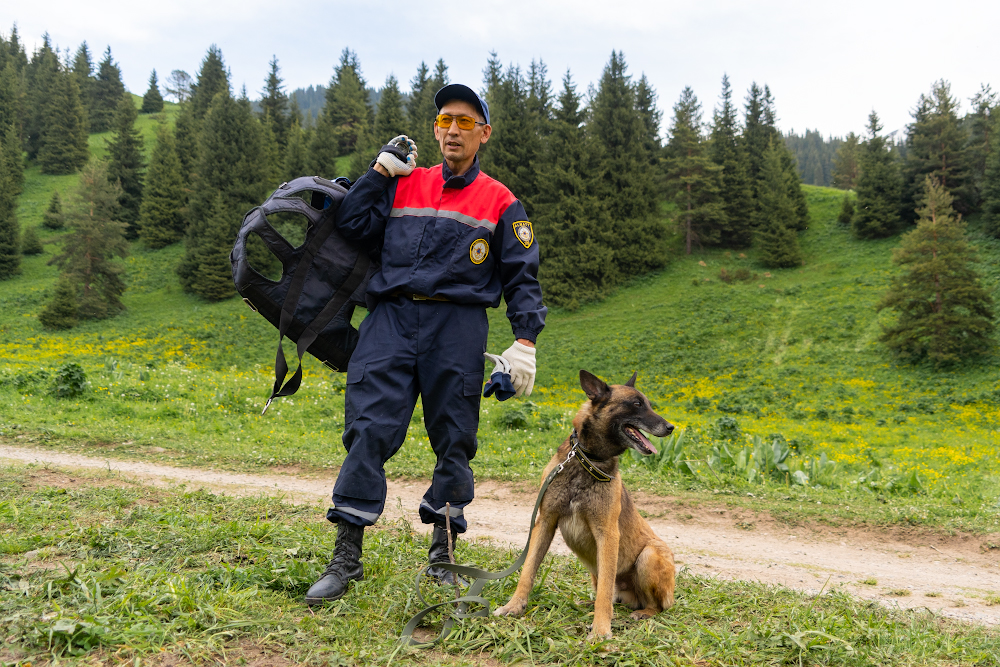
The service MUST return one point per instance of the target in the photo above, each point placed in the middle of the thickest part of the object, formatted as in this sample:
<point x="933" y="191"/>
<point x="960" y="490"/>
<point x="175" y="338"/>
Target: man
<point x="452" y="241"/>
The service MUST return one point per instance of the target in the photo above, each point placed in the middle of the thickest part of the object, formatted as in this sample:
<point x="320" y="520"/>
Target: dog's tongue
<point x="644" y="440"/>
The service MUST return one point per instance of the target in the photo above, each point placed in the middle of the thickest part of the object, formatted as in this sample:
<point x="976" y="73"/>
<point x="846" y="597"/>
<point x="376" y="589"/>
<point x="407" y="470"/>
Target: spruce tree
<point x="41" y="76"/>
<point x="944" y="313"/>
<point x="83" y="70"/>
<point x="390" y="120"/>
<point x="186" y="129"/>
<point x="126" y="164"/>
<point x="10" y="250"/>
<point x="577" y="251"/>
<point x="61" y="311"/>
<point x="96" y="239"/>
<point x="161" y="216"/>
<point x="295" y="152"/>
<point x="420" y="112"/>
<point x="345" y="119"/>
<point x="63" y="144"/>
<point x="980" y="121"/>
<point x="991" y="182"/>
<point x="775" y="239"/>
<point x="693" y="179"/>
<point x="514" y="147"/>
<point x="108" y="90"/>
<point x="30" y="243"/>
<point x="846" y="163"/>
<point x="213" y="277"/>
<point x="10" y="153"/>
<point x="936" y="144"/>
<point x="213" y="78"/>
<point x="152" y="101"/>
<point x="727" y="151"/>
<point x="53" y="217"/>
<point x="794" y="181"/>
<point x="758" y="132"/>
<point x="274" y="104"/>
<point x="876" y="212"/>
<point x="846" y="211"/>
<point x="645" y="104"/>
<point x="12" y="111"/>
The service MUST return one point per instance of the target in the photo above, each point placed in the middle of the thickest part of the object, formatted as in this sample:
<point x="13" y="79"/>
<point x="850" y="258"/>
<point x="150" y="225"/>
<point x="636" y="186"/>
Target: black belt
<point x="419" y="297"/>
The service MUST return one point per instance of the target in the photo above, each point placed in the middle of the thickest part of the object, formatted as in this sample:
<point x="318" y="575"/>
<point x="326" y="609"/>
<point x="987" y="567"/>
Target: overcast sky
<point x="828" y="64"/>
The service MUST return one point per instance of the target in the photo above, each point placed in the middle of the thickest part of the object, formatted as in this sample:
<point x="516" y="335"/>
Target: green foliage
<point x="420" y="111"/>
<point x="161" y="219"/>
<point x="727" y="150"/>
<point x="991" y="183"/>
<point x="274" y="104"/>
<point x="53" y="217"/>
<point x="152" y="101"/>
<point x="670" y="455"/>
<point x="775" y="238"/>
<point x="945" y="315"/>
<point x="693" y="179"/>
<point x="980" y="121"/>
<point x="30" y="243"/>
<point x="846" y="211"/>
<point x="877" y="207"/>
<point x="70" y="381"/>
<point x="126" y="164"/>
<point x="10" y="230"/>
<point x="83" y="70"/>
<point x="814" y="156"/>
<point x="108" y="91"/>
<point x="10" y="153"/>
<point x="847" y="163"/>
<point x="40" y="81"/>
<point x="96" y="238"/>
<point x="390" y="120"/>
<point x="213" y="79"/>
<point x="62" y="143"/>
<point x="295" y="153"/>
<point x="346" y="118"/>
<point x="61" y="311"/>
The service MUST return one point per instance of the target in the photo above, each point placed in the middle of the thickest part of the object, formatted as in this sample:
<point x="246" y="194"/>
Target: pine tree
<point x="420" y="112"/>
<point x="936" y="144"/>
<point x="63" y="144"/>
<point x="41" y="76"/>
<point x="213" y="278"/>
<point x="126" y="164"/>
<point x="945" y="315"/>
<point x="10" y="153"/>
<point x="775" y="238"/>
<point x="53" y="217"/>
<point x="346" y="117"/>
<point x="876" y="213"/>
<point x="274" y="104"/>
<point x="12" y="111"/>
<point x="693" y="179"/>
<point x="390" y="120"/>
<point x="30" y="243"/>
<point x="95" y="240"/>
<point x="186" y="130"/>
<point x="161" y="216"/>
<point x="61" y="311"/>
<point x="846" y="163"/>
<point x="10" y="251"/>
<point x="108" y="90"/>
<point x="980" y="121"/>
<point x="846" y="211"/>
<point x="514" y="147"/>
<point x="83" y="70"/>
<point x="727" y="151"/>
<point x="213" y="78"/>
<point x="794" y="184"/>
<point x="758" y="132"/>
<point x="991" y="182"/>
<point x="152" y="101"/>
<point x="575" y="238"/>
<point x="295" y="152"/>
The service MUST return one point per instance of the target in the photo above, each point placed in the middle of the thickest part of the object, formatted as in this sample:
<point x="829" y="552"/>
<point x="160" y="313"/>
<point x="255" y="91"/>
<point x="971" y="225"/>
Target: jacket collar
<point x="452" y="181"/>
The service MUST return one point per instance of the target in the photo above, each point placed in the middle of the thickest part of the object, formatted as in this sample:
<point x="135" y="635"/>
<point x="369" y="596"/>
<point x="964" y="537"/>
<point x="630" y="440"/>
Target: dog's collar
<point x="587" y="464"/>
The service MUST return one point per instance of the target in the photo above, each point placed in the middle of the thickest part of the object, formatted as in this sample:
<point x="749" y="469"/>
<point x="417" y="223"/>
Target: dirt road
<point x="952" y="576"/>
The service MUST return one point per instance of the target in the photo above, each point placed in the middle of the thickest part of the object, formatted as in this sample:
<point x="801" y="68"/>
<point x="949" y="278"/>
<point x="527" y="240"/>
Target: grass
<point x="94" y="568"/>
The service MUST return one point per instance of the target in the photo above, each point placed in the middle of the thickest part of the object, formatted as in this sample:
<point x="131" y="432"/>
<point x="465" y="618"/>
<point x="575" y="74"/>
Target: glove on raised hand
<point x="522" y="367"/>
<point x="399" y="156"/>
<point x="499" y="383"/>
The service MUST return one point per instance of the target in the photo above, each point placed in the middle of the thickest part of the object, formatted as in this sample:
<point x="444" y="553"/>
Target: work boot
<point x="438" y="553"/>
<point x="344" y="568"/>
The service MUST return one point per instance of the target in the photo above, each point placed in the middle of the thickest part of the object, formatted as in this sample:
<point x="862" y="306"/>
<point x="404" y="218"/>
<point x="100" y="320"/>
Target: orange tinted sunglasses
<point x="464" y="122"/>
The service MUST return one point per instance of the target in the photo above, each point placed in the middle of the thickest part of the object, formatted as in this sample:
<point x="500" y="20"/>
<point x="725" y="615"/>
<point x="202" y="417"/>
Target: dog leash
<point x="481" y="577"/>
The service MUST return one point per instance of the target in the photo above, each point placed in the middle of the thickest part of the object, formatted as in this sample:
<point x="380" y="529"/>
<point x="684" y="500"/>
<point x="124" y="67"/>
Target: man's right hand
<point x="398" y="157"/>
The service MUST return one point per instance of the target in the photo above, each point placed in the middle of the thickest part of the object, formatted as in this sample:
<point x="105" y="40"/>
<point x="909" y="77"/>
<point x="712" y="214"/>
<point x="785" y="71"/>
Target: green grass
<point x="94" y="568"/>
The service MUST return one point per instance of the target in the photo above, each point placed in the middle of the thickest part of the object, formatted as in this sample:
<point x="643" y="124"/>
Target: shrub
<point x="30" y="243"/>
<point x="70" y="381"/>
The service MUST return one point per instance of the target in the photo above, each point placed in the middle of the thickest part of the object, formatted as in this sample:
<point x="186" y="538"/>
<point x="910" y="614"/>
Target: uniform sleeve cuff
<point x="526" y="334"/>
<point x="377" y="179"/>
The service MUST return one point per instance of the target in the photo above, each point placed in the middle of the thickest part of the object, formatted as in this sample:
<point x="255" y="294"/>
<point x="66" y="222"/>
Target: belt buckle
<point x="419" y="297"/>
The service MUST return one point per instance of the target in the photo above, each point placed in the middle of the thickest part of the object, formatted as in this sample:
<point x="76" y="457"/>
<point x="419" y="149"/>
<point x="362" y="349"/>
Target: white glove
<point x="499" y="363"/>
<point x="522" y="367"/>
<point x="392" y="163"/>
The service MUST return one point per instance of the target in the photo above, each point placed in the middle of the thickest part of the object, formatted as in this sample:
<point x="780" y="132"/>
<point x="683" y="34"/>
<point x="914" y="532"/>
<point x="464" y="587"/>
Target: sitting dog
<point x="628" y="563"/>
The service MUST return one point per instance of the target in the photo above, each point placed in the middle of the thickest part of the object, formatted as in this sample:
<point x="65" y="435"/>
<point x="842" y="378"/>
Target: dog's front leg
<point x="538" y="546"/>
<point x="606" y="537"/>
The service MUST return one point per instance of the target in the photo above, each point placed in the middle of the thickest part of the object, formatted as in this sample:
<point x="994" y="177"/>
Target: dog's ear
<point x="631" y="380"/>
<point x="594" y="387"/>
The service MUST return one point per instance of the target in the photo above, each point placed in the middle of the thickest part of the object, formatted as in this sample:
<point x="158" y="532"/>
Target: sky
<point x="827" y="64"/>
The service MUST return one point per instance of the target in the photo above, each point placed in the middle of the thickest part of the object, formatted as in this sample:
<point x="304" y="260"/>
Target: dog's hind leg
<point x="654" y="580"/>
<point x="541" y="539"/>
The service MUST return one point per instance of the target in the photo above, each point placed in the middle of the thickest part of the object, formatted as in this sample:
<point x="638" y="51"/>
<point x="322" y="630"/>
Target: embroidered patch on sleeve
<point x="524" y="233"/>
<point x="478" y="251"/>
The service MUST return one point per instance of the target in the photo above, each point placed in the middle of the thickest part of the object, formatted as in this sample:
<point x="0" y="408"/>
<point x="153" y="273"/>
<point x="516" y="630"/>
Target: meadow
<point x="786" y="404"/>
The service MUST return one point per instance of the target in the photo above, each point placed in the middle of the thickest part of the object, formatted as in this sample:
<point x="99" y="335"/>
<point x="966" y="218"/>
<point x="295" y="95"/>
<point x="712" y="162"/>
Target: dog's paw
<point x="595" y="636"/>
<point x="512" y="608"/>
<point x="642" y="614"/>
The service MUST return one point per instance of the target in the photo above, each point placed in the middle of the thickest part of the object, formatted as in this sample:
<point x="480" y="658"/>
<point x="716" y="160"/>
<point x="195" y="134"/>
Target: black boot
<point x="438" y="553"/>
<point x="344" y="568"/>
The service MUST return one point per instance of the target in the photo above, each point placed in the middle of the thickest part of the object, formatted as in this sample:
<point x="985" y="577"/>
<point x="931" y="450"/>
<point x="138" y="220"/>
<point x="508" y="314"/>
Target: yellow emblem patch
<point x="478" y="251"/>
<point x="524" y="233"/>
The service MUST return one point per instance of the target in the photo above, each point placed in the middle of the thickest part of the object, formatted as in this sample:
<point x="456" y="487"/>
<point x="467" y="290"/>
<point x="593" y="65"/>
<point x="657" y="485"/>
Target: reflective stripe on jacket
<point x="464" y="238"/>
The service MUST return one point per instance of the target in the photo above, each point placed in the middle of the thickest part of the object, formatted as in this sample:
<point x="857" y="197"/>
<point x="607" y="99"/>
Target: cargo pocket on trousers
<point x="355" y="373"/>
<point x="473" y="384"/>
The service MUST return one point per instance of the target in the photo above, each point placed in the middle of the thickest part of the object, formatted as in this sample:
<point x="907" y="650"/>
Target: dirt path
<point x="953" y="577"/>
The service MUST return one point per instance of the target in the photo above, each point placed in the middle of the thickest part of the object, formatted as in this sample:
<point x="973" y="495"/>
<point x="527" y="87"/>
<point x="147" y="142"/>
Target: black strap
<point x="316" y="326"/>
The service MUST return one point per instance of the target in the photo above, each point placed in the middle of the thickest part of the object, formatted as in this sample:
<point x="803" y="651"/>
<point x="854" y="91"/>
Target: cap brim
<point x="458" y="91"/>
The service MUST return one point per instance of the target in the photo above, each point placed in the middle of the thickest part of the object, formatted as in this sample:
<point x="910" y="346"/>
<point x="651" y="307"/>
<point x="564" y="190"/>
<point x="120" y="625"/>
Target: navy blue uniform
<point x="461" y="242"/>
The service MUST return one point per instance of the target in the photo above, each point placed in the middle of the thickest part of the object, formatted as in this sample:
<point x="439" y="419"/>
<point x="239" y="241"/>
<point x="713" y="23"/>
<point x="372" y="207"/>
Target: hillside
<point x="790" y="352"/>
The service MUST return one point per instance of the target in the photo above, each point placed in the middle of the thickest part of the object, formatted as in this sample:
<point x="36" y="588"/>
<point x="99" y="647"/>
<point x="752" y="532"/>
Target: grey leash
<point x="478" y="577"/>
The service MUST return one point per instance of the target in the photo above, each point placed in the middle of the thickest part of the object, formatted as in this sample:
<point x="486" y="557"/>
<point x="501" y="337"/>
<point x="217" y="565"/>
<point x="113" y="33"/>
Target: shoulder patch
<point x="524" y="233"/>
<point x="478" y="251"/>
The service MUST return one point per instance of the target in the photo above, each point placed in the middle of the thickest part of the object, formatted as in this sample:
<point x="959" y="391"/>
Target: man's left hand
<point x="521" y="358"/>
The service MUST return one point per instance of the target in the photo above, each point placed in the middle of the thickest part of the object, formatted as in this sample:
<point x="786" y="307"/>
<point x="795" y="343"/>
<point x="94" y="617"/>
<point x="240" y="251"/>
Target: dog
<point x="628" y="563"/>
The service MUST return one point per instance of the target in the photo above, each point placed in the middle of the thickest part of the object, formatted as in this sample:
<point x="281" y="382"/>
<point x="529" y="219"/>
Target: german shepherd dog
<point x="628" y="563"/>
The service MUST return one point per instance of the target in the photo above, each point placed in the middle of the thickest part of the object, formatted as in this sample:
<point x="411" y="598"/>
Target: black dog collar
<point x="587" y="464"/>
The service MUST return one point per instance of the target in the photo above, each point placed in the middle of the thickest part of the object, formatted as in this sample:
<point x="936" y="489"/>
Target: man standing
<point x="452" y="241"/>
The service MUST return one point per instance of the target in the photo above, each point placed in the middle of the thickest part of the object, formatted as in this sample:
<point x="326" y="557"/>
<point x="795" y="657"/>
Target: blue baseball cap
<point x="456" y="91"/>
